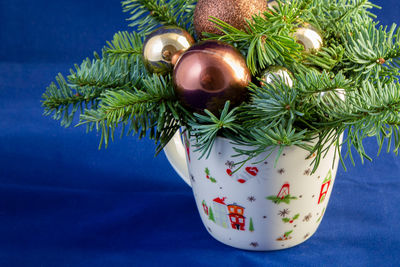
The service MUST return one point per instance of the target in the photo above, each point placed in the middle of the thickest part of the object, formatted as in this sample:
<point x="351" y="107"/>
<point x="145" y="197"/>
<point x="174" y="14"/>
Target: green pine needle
<point x="147" y="15"/>
<point x="207" y="127"/>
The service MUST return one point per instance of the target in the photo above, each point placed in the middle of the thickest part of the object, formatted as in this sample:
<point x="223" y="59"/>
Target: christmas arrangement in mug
<point x="262" y="74"/>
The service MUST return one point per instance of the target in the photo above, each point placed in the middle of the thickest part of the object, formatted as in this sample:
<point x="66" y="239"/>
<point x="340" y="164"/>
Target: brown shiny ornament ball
<point x="210" y="73"/>
<point x="233" y="12"/>
<point x="161" y="45"/>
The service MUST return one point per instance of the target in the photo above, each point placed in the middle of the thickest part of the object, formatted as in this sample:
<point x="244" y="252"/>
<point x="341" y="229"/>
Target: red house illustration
<point x="325" y="187"/>
<point x="284" y="191"/>
<point x="236" y="217"/>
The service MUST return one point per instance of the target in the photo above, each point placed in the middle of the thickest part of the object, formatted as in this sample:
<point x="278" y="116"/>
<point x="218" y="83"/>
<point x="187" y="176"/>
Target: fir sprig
<point x="146" y="15"/>
<point x="125" y="45"/>
<point x="326" y="59"/>
<point x="85" y="84"/>
<point x="207" y="127"/>
<point x="264" y="42"/>
<point x="62" y="102"/>
<point x="351" y="84"/>
<point x="270" y="105"/>
<point x="368" y="49"/>
<point x="313" y="83"/>
<point x="371" y="110"/>
<point x="347" y="10"/>
<point x="152" y="109"/>
<point x="279" y="115"/>
<point x="332" y="17"/>
<point x="268" y="139"/>
<point x="103" y="73"/>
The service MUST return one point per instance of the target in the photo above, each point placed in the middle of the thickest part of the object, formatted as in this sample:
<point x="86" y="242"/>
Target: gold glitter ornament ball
<point x="234" y="12"/>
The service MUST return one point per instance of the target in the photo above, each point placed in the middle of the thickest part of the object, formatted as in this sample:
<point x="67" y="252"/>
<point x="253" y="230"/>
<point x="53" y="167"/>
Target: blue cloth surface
<point x="65" y="203"/>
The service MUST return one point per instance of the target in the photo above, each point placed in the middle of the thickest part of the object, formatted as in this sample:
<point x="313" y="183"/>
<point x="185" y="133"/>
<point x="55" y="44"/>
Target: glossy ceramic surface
<point x="261" y="206"/>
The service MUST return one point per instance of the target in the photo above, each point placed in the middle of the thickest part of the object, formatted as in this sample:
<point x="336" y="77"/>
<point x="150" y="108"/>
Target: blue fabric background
<point x="64" y="203"/>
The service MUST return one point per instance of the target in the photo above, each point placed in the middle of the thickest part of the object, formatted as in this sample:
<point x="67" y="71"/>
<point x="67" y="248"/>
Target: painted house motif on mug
<point x="283" y="196"/>
<point x="220" y="212"/>
<point x="325" y="187"/>
<point x="224" y="214"/>
<point x="236" y="216"/>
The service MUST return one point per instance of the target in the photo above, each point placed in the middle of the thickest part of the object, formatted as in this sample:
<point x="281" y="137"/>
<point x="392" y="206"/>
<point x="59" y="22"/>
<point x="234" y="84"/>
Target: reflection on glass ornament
<point x="161" y="45"/>
<point x="273" y="5"/>
<point x="210" y="73"/>
<point x="333" y="95"/>
<point x="309" y="37"/>
<point x="276" y="74"/>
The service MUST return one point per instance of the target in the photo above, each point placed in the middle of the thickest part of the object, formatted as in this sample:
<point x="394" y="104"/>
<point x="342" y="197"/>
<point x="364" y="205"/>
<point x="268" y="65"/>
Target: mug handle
<point x="175" y="152"/>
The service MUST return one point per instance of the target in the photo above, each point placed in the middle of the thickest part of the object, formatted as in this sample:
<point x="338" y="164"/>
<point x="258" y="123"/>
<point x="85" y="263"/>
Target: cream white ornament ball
<point x="309" y="37"/>
<point x="338" y="93"/>
<point x="272" y="5"/>
<point x="276" y="74"/>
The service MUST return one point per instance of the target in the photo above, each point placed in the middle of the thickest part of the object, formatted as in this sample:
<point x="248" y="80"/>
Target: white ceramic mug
<point x="260" y="207"/>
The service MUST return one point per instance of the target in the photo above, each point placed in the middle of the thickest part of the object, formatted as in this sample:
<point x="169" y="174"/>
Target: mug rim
<point x="225" y="139"/>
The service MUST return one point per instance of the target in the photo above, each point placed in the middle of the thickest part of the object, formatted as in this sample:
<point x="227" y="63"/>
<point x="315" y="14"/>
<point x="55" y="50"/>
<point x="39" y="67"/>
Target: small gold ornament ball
<point x="233" y="12"/>
<point x="277" y="74"/>
<point x="161" y="45"/>
<point x="309" y="37"/>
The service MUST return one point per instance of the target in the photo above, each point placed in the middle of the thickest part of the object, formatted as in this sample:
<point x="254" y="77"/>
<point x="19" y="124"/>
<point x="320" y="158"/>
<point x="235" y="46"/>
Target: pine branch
<point x="326" y="59"/>
<point x="120" y="69"/>
<point x="270" y="104"/>
<point x="104" y="74"/>
<point x="124" y="45"/>
<point x="353" y="8"/>
<point x="291" y="12"/>
<point x="62" y="102"/>
<point x="357" y="71"/>
<point x="85" y="85"/>
<point x="276" y="104"/>
<point x="372" y="110"/>
<point x="269" y="139"/>
<point x="152" y="109"/>
<point x="264" y="43"/>
<point x="331" y="17"/>
<point x="368" y="49"/>
<point x="207" y="127"/>
<point x="146" y="15"/>
<point x="314" y="83"/>
<point x="368" y="105"/>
